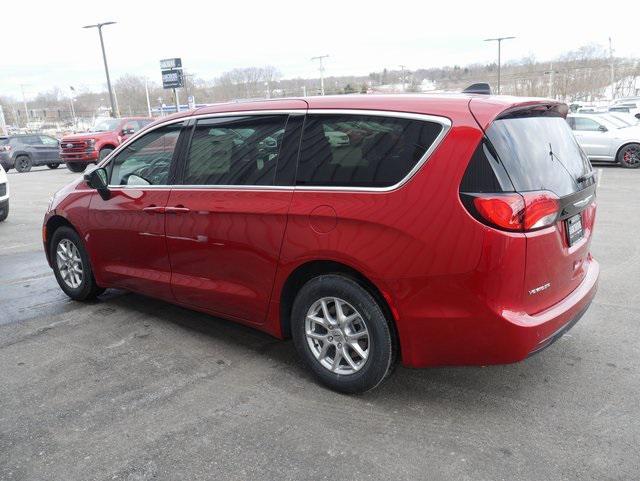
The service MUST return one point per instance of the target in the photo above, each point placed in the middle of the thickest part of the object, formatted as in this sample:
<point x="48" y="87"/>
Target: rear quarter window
<point x="342" y="150"/>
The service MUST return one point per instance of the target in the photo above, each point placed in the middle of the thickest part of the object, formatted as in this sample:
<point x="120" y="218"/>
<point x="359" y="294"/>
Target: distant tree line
<point x="582" y="74"/>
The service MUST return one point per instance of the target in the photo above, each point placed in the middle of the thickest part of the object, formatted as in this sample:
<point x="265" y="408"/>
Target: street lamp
<point x="499" y="40"/>
<point x="104" y="57"/>
<point x="321" y="69"/>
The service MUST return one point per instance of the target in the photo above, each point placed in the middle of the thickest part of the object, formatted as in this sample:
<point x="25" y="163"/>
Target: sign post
<point x="172" y="77"/>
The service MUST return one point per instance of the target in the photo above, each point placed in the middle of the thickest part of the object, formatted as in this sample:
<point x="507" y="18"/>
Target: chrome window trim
<point x="235" y="113"/>
<point x="443" y="121"/>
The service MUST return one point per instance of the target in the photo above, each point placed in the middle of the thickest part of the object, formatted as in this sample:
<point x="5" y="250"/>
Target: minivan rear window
<point x="540" y="153"/>
<point x="345" y="150"/>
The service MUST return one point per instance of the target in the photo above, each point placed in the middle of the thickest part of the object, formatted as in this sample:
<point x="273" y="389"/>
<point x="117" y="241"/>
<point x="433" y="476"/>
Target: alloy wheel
<point x="631" y="155"/>
<point x="337" y="335"/>
<point x="69" y="263"/>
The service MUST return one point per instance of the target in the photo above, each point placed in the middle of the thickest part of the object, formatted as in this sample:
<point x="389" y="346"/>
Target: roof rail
<point x="479" y="88"/>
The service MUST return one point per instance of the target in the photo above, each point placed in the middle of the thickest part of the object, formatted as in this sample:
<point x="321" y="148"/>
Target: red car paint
<point x="458" y="290"/>
<point x="77" y="148"/>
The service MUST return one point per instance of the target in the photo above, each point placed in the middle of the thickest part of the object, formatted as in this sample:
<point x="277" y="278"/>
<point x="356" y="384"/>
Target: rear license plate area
<point x="574" y="229"/>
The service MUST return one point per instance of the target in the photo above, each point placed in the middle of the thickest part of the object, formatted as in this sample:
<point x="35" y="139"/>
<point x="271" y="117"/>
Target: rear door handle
<point x="179" y="209"/>
<point x="154" y="209"/>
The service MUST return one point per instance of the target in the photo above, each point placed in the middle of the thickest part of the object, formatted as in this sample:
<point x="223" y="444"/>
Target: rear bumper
<point x="87" y="157"/>
<point x="497" y="338"/>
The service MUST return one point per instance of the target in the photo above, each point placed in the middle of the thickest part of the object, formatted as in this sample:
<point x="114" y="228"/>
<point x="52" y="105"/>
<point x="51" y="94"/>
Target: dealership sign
<point x="171" y="69"/>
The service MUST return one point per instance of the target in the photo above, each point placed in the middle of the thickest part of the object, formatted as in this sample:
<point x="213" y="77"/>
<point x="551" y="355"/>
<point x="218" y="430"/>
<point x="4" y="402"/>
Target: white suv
<point x="4" y="195"/>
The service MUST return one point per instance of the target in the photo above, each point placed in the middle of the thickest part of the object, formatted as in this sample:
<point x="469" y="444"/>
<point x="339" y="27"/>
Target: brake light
<point x="516" y="212"/>
<point x="541" y="209"/>
<point x="504" y="211"/>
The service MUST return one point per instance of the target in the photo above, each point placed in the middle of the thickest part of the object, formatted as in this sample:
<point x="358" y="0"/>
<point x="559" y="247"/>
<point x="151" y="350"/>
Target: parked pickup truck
<point x="80" y="150"/>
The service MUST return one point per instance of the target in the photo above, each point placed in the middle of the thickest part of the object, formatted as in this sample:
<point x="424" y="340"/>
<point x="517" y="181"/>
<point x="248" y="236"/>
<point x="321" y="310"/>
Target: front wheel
<point x="103" y="153"/>
<point x="71" y="265"/>
<point x="76" y="166"/>
<point x="629" y="156"/>
<point x="342" y="334"/>
<point x="53" y="166"/>
<point x="23" y="164"/>
<point x="4" y="211"/>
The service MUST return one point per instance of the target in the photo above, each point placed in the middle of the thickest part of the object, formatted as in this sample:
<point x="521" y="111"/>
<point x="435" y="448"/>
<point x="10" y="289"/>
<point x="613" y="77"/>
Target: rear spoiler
<point x="539" y="110"/>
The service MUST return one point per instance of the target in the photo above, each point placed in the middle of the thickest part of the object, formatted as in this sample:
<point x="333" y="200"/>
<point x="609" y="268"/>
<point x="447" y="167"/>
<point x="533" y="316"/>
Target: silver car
<point x="605" y="138"/>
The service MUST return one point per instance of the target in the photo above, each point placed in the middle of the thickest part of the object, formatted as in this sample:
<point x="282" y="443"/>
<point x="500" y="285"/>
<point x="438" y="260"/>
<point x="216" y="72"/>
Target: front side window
<point x="132" y="125"/>
<point x="146" y="161"/>
<point x="362" y="150"/>
<point x="105" y="125"/>
<point x="235" y="151"/>
<point x="48" y="140"/>
<point x="585" y="124"/>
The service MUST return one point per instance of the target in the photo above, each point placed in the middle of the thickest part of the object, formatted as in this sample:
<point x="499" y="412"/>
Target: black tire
<point x="4" y="212"/>
<point x="53" y="166"/>
<point x="76" y="166"/>
<point x="103" y="153"/>
<point x="381" y="346"/>
<point x="87" y="288"/>
<point x="629" y="156"/>
<point x="23" y="164"/>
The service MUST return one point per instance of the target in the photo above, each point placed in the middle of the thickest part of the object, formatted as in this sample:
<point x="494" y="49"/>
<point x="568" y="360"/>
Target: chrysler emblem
<point x="68" y="146"/>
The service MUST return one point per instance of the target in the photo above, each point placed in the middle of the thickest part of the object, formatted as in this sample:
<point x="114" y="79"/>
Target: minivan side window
<point x="240" y="150"/>
<point x="146" y="161"/>
<point x="362" y="150"/>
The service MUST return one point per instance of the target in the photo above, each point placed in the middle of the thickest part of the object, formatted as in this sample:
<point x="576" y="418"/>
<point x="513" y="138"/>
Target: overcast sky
<point x="44" y="45"/>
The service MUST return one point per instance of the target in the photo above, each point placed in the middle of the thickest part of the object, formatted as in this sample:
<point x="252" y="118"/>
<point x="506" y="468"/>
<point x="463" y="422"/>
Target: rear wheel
<point x="342" y="334"/>
<point x="71" y="265"/>
<point x="76" y="166"/>
<point x="629" y="156"/>
<point x="23" y="163"/>
<point x="53" y="166"/>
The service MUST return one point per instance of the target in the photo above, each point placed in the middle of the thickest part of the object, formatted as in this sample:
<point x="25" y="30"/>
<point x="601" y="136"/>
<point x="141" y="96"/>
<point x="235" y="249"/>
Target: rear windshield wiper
<point x="554" y="156"/>
<point x="587" y="176"/>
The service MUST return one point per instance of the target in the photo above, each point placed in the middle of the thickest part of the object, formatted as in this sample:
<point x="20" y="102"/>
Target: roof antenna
<point x="479" y="88"/>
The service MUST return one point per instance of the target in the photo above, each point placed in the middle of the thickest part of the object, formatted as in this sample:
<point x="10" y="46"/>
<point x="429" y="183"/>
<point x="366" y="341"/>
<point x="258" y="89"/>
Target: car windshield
<point x="627" y="118"/>
<point x="105" y="125"/>
<point x="540" y="153"/>
<point x="614" y="121"/>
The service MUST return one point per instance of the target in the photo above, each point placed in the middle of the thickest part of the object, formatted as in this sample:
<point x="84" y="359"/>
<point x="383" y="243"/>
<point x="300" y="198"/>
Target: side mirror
<point x="602" y="128"/>
<point x="97" y="179"/>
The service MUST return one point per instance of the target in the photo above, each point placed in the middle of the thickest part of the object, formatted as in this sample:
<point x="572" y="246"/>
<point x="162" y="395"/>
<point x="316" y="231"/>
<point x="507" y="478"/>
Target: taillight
<point x="515" y="211"/>
<point x="5" y="148"/>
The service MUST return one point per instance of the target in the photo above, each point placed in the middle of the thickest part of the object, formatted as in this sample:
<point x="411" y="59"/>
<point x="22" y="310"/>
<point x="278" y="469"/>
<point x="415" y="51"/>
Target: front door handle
<point x="179" y="209"/>
<point x="154" y="209"/>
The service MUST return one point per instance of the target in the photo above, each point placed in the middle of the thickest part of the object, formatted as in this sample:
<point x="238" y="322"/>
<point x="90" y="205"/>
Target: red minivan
<point x="437" y="230"/>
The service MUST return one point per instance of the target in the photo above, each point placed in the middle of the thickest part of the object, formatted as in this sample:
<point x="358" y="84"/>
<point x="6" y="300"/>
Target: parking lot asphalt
<point x="131" y="388"/>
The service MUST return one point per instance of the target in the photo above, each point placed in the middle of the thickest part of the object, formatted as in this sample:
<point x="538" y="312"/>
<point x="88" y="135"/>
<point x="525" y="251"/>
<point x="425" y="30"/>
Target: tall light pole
<point x="106" y="67"/>
<point x="321" y="68"/>
<point x="73" y="110"/>
<point x="402" y="67"/>
<point x="499" y="40"/>
<point x="612" y="74"/>
<point x="24" y="103"/>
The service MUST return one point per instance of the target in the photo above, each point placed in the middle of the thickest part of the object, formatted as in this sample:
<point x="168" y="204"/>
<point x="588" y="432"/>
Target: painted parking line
<point x="600" y="172"/>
